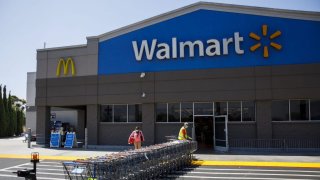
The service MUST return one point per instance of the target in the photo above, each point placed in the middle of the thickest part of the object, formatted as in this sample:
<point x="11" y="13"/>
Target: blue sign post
<point x="55" y="139"/>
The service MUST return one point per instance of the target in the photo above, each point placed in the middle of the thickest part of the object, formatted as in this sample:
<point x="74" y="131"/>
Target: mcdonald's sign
<point x="65" y="66"/>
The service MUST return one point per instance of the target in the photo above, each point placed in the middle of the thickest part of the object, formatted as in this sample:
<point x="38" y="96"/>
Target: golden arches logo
<point x="271" y="37"/>
<point x="65" y="65"/>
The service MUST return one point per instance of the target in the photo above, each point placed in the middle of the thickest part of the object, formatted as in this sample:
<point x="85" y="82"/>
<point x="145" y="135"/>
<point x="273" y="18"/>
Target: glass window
<point x="174" y="112"/>
<point x="220" y="108"/>
<point x="120" y="113"/>
<point x="315" y="109"/>
<point x="203" y="109"/>
<point x="134" y="113"/>
<point x="248" y="111"/>
<point x="186" y="112"/>
<point x="299" y="110"/>
<point x="106" y="113"/>
<point x="280" y="110"/>
<point x="234" y="111"/>
<point x="161" y="112"/>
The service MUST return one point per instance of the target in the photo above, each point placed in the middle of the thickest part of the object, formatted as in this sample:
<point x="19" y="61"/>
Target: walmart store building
<point x="243" y="77"/>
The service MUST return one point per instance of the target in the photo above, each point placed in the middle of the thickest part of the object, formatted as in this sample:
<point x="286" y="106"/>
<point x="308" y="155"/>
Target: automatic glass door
<point x="204" y="132"/>
<point x="221" y="133"/>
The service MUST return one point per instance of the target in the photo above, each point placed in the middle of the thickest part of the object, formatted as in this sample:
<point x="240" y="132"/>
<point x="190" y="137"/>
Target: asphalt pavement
<point x="17" y="149"/>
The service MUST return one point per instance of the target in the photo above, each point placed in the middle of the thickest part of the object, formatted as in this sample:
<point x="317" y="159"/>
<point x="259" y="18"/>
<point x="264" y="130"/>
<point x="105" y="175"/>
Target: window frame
<point x="308" y="110"/>
<point x="311" y="120"/>
<point x="289" y="111"/>
<point x="127" y="119"/>
<point x="213" y="111"/>
<point x="241" y="120"/>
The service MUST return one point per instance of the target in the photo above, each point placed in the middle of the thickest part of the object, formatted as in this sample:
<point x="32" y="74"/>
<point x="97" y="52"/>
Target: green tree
<point x="4" y="98"/>
<point x="20" y="121"/>
<point x="1" y="113"/>
<point x="5" y="116"/>
<point x="16" y="105"/>
<point x="14" y="118"/>
<point x="10" y="116"/>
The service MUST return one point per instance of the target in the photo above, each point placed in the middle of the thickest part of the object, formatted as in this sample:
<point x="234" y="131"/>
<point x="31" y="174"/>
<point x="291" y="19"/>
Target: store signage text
<point x="65" y="66"/>
<point x="211" y="47"/>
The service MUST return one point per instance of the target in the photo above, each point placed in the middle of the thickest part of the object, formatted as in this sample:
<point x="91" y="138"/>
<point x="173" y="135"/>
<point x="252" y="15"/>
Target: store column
<point x="92" y="124"/>
<point x="264" y="122"/>
<point x="43" y="125"/>
<point x="148" y="121"/>
<point x="80" y="124"/>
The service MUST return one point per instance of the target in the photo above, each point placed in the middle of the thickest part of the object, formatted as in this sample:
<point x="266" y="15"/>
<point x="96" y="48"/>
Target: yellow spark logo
<point x="271" y="37"/>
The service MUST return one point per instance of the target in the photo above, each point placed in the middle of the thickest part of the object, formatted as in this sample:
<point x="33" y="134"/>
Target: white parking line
<point x="58" y="174"/>
<point x="17" y="166"/>
<point x="255" y="170"/>
<point x="211" y="177"/>
<point x="44" y="165"/>
<point x="39" y="169"/>
<point x="14" y="176"/>
<point x="5" y="175"/>
<point x="45" y="162"/>
<point x="252" y="174"/>
<point x="49" y="178"/>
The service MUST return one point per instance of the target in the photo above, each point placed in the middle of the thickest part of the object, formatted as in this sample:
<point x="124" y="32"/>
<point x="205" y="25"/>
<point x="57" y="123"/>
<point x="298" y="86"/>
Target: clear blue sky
<point x="27" y="24"/>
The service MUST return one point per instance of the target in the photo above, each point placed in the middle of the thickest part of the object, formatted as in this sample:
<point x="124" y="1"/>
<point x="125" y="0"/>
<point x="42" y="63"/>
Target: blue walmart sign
<point x="210" y="39"/>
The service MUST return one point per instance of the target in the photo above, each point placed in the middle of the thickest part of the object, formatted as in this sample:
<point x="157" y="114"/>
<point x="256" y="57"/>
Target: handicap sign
<point x="55" y="139"/>
<point x="70" y="140"/>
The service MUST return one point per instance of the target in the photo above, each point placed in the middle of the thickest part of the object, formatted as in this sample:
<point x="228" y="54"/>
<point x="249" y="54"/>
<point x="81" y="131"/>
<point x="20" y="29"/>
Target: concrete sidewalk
<point x="15" y="148"/>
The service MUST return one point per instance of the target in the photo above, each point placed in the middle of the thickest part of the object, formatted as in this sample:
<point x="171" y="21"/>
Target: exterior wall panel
<point x="186" y="88"/>
<point x="205" y="96"/>
<point x="242" y="131"/>
<point x="263" y="117"/>
<point x="204" y="85"/>
<point x="115" y="134"/>
<point x="172" y="129"/>
<point x="297" y="93"/>
<point x="92" y="124"/>
<point x="66" y="52"/>
<point x="205" y="74"/>
<point x="299" y="130"/>
<point x="42" y="65"/>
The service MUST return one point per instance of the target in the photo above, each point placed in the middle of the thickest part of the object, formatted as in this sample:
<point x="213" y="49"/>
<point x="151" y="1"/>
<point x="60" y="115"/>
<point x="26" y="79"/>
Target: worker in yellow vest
<point x="183" y="132"/>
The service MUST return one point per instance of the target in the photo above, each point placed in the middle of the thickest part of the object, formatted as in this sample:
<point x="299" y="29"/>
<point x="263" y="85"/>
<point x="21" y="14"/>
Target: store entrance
<point x="204" y="132"/>
<point x="68" y="119"/>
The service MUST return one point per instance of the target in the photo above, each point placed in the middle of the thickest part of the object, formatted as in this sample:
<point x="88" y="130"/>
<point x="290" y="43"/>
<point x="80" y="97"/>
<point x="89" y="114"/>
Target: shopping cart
<point x="146" y="163"/>
<point x="77" y="170"/>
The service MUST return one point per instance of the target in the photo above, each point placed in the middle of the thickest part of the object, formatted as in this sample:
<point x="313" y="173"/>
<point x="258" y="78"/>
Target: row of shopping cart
<point x="145" y="163"/>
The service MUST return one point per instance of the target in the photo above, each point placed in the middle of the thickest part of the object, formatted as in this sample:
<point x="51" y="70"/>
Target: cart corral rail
<point x="146" y="163"/>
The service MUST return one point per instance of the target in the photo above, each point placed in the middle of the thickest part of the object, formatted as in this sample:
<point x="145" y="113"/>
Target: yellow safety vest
<point x="181" y="135"/>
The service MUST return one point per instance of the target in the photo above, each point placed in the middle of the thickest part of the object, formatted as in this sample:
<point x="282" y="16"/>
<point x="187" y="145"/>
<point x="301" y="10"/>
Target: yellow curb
<point x="261" y="164"/>
<point x="15" y="156"/>
<point x="199" y="163"/>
